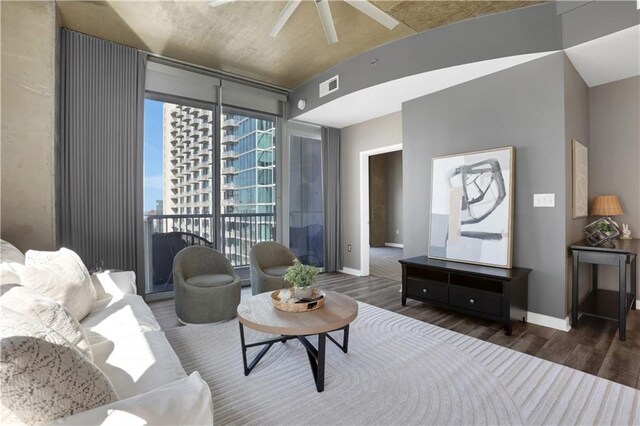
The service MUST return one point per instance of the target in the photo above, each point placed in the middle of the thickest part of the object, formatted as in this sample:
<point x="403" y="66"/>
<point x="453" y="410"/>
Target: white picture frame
<point x="471" y="218"/>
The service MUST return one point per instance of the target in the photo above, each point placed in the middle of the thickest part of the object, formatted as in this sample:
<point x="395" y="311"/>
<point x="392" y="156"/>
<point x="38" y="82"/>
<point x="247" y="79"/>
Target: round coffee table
<point x="258" y="313"/>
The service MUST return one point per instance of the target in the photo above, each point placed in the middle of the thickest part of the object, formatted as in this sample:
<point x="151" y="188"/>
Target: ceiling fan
<point x="325" y="15"/>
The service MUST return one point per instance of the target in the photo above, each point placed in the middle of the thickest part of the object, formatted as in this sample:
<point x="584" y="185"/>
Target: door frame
<point x="364" y="202"/>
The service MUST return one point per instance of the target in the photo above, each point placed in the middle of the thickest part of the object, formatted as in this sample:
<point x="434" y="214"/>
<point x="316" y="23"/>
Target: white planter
<point x="300" y="293"/>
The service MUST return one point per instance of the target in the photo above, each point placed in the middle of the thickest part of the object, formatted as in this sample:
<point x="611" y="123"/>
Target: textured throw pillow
<point x="42" y="377"/>
<point x="43" y="310"/>
<point x="61" y="276"/>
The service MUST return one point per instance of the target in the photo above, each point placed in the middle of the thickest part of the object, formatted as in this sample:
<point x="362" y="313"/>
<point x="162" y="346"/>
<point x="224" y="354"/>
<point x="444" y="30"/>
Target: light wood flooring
<point x="593" y="348"/>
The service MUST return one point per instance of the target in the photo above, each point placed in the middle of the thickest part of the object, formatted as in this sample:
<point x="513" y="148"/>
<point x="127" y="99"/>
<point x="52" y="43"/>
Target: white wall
<point x="376" y="133"/>
<point x="28" y="104"/>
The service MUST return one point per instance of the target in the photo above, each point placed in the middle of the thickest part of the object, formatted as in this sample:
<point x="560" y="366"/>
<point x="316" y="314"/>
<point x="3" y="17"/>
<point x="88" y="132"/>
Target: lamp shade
<point x="606" y="205"/>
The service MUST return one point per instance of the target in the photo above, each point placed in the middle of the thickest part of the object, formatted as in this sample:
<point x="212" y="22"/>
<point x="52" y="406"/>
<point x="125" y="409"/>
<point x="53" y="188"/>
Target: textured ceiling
<point x="234" y="37"/>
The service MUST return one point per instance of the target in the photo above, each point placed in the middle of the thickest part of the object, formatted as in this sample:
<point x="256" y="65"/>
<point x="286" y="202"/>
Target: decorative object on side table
<point x="626" y="232"/>
<point x="605" y="229"/>
<point x="301" y="277"/>
<point x="472" y="207"/>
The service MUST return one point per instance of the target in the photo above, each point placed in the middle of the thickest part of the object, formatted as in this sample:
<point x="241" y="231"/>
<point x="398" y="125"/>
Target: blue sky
<point x="152" y="153"/>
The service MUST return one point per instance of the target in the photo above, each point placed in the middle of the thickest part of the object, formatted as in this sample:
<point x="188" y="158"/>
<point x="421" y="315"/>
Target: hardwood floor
<point x="593" y="348"/>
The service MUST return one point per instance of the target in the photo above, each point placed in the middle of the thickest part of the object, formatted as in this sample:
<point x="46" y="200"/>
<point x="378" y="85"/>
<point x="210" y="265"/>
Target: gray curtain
<point x="331" y="187"/>
<point x="99" y="153"/>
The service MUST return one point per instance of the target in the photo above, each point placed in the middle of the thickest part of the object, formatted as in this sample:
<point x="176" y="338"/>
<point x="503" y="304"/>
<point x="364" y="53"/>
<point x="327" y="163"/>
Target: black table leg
<point x="622" y="313"/>
<point x="574" y="290"/>
<point x="345" y="340"/>
<point x="267" y="345"/>
<point x="316" y="358"/>
<point x="634" y="283"/>
<point x="594" y="276"/>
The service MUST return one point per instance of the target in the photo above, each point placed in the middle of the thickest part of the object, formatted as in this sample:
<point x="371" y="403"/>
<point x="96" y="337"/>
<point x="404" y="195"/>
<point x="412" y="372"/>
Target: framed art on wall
<point x="580" y="154"/>
<point x="472" y="207"/>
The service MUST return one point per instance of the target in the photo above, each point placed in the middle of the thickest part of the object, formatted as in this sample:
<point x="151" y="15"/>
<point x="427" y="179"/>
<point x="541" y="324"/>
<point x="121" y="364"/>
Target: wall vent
<point x="329" y="86"/>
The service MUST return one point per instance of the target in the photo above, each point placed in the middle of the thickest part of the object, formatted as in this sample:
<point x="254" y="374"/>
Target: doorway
<point x="381" y="234"/>
<point x="385" y="215"/>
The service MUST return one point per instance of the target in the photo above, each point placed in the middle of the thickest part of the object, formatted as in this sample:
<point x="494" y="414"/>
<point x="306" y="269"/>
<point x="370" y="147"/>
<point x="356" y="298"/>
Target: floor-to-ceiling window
<point x="247" y="182"/>
<point x="209" y="171"/>
<point x="306" y="219"/>
<point x="178" y="162"/>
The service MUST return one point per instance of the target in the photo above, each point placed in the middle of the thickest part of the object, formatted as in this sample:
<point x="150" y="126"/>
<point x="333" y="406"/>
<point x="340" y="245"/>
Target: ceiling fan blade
<point x="374" y="13"/>
<point x="327" y="20"/>
<point x="216" y="3"/>
<point x="284" y="16"/>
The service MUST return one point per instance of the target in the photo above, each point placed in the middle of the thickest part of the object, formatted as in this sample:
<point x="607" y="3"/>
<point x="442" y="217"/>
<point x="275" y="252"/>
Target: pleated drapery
<point x="332" y="205"/>
<point x="100" y="152"/>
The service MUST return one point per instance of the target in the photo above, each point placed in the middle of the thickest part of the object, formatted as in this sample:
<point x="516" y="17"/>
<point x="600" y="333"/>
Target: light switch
<point x="544" y="200"/>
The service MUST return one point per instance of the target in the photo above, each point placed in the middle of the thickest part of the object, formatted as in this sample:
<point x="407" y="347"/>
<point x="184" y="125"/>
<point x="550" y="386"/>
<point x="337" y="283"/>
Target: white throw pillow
<point x="60" y="276"/>
<point x="43" y="310"/>
<point x="44" y="378"/>
<point x="9" y="253"/>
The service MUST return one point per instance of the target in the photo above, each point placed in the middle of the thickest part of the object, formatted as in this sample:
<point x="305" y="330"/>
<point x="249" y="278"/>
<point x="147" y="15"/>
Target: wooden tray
<point x="298" y="307"/>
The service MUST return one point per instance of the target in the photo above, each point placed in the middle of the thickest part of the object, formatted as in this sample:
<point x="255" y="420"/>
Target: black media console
<point x="484" y="291"/>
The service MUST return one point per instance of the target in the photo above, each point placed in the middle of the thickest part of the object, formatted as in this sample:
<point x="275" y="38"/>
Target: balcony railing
<point x="167" y="234"/>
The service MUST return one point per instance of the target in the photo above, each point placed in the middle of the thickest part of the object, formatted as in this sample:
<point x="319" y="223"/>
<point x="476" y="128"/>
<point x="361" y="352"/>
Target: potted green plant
<point x="301" y="277"/>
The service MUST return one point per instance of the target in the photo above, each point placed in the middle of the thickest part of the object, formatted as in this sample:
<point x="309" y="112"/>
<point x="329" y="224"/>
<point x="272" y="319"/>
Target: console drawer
<point x="476" y="300"/>
<point x="428" y="290"/>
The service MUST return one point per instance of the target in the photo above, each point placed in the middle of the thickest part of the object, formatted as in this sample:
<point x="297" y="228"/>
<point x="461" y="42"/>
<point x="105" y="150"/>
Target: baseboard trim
<point x="396" y="245"/>
<point x="549" y="321"/>
<point x="351" y="271"/>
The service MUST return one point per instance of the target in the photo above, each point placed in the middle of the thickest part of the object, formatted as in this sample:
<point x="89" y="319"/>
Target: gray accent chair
<point x="207" y="288"/>
<point x="269" y="261"/>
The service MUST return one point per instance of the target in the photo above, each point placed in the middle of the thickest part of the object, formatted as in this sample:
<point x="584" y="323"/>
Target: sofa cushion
<point x="43" y="376"/>
<point x="137" y="362"/>
<point x="45" y="311"/>
<point x="61" y="276"/>
<point x="210" y="280"/>
<point x="184" y="402"/>
<point x="119" y="316"/>
<point x="114" y="283"/>
<point x="10" y="272"/>
<point x="9" y="253"/>
<point x="276" y="271"/>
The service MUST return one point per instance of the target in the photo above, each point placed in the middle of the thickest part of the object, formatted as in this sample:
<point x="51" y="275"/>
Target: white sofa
<point x="129" y="346"/>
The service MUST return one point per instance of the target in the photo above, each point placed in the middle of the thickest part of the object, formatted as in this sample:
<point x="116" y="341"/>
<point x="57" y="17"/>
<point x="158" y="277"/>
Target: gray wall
<point x="540" y="28"/>
<point x="378" y="133"/>
<point x="393" y="203"/>
<point x="614" y="153"/>
<point x="29" y="34"/>
<point x="523" y="107"/>
<point x="576" y="112"/>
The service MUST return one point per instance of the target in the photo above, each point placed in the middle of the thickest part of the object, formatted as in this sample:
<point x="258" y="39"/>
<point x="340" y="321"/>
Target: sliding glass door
<point x="306" y="216"/>
<point x="178" y="202"/>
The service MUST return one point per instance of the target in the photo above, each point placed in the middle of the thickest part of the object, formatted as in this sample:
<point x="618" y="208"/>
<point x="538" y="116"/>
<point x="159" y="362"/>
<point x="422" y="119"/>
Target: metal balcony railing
<point x="167" y="234"/>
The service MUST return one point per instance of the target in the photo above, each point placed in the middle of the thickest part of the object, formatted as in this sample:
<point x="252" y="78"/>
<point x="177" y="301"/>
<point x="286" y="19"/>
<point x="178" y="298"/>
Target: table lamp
<point x="604" y="229"/>
<point x="606" y="205"/>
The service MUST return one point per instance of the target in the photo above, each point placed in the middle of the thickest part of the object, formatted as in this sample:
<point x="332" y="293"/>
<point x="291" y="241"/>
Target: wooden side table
<point x="602" y="303"/>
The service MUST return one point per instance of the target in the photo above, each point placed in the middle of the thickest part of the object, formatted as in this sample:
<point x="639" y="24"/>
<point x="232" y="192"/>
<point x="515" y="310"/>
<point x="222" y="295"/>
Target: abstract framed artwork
<point x="580" y="154"/>
<point x="472" y="207"/>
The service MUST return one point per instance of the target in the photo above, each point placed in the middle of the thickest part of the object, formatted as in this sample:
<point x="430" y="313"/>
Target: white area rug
<point x="398" y="371"/>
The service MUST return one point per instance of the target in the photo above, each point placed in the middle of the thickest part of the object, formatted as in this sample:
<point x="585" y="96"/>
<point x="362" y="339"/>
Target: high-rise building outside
<point x="247" y="184"/>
